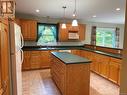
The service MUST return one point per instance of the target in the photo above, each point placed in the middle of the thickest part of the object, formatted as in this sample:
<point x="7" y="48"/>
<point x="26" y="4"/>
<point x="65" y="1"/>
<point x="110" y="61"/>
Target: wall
<point x="88" y="31"/>
<point x="88" y="26"/>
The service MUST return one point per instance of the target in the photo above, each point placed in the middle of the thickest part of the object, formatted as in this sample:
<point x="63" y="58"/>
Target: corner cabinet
<point x="29" y="29"/>
<point x="105" y="66"/>
<point x="64" y="33"/>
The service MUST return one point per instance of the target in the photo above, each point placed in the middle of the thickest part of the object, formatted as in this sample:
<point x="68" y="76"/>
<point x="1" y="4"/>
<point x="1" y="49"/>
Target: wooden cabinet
<point x="36" y="60"/>
<point x="71" y="79"/>
<point x="29" y="29"/>
<point x="64" y="33"/>
<point x="26" y="61"/>
<point x="105" y="66"/>
<point x="114" y="70"/>
<point x="45" y="59"/>
<point x="4" y="57"/>
<point x="58" y="73"/>
<point x="76" y="52"/>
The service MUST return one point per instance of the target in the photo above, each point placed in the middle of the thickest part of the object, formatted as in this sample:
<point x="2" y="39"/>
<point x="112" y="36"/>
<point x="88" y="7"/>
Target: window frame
<point x="48" y="24"/>
<point x="114" y="36"/>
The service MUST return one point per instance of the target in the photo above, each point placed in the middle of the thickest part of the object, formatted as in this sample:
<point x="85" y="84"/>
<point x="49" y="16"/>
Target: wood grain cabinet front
<point x="26" y="61"/>
<point x="29" y="29"/>
<point x="68" y="77"/>
<point x="114" y="70"/>
<point x="104" y="66"/>
<point x="64" y="33"/>
<point x="36" y="60"/>
<point x="45" y="59"/>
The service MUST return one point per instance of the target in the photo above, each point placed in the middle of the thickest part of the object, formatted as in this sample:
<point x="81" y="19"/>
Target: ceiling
<point x="105" y="10"/>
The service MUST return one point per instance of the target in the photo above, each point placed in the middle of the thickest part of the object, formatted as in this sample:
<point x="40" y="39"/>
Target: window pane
<point x="105" y="37"/>
<point x="47" y="33"/>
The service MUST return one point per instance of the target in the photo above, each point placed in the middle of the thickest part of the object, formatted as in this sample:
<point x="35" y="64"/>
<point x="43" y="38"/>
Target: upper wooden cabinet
<point x="29" y="29"/>
<point x="64" y="33"/>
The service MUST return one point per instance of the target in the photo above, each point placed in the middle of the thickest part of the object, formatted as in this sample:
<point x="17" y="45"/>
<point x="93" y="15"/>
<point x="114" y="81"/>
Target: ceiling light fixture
<point x="37" y="10"/>
<point x="117" y="9"/>
<point x="94" y="16"/>
<point x="75" y="22"/>
<point x="64" y="23"/>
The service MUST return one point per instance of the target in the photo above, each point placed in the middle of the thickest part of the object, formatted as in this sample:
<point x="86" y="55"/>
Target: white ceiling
<point x="103" y="9"/>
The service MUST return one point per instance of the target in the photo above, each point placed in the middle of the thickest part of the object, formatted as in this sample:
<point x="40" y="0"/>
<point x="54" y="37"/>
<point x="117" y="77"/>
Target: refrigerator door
<point x="15" y="35"/>
<point x="19" y="73"/>
<point x="16" y="57"/>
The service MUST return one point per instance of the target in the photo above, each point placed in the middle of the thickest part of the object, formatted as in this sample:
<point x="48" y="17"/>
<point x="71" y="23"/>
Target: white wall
<point x="89" y="27"/>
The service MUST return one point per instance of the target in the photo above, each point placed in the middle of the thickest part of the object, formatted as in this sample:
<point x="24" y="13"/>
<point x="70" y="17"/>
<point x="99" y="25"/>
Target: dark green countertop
<point x="69" y="58"/>
<point x="38" y="48"/>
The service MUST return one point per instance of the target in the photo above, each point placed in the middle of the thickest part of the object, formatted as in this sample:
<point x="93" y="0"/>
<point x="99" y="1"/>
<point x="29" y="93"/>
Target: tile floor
<point x="39" y="82"/>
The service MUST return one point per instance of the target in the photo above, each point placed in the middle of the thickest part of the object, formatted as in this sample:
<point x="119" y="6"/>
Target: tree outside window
<point x="47" y="33"/>
<point x="105" y="37"/>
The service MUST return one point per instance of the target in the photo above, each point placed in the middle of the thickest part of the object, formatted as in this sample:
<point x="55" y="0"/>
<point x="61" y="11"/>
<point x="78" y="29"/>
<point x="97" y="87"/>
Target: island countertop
<point x="69" y="58"/>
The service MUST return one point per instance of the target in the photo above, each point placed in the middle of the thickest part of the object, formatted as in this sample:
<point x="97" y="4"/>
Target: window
<point x="106" y="37"/>
<point x="47" y="33"/>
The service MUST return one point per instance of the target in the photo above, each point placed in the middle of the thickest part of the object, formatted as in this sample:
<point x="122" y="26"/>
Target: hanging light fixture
<point x="75" y="22"/>
<point x="64" y="24"/>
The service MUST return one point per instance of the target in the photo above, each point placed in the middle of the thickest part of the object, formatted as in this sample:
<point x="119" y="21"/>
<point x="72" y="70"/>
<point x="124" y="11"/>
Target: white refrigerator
<point x="16" y="57"/>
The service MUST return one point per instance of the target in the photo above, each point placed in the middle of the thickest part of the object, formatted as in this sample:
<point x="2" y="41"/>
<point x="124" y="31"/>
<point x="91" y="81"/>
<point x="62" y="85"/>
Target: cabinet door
<point x="35" y="61"/>
<point x="114" y="71"/>
<point x="29" y="29"/>
<point x="96" y="62"/>
<point x="104" y="66"/>
<point x="26" y="61"/>
<point x="82" y="31"/>
<point x="45" y="59"/>
<point x="33" y="30"/>
<point x="24" y="29"/>
<point x="63" y="34"/>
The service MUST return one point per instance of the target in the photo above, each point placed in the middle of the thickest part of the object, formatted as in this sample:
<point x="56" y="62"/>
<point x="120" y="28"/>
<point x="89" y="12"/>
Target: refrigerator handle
<point x="22" y="56"/>
<point x="22" y="41"/>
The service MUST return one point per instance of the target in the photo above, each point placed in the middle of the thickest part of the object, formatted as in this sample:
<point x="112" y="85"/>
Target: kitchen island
<point x="71" y="73"/>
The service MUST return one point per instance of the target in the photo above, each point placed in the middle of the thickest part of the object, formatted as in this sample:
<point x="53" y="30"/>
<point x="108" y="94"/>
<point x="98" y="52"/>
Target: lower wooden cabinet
<point x="71" y="79"/>
<point x="76" y="52"/>
<point x="105" y="66"/>
<point x="26" y="61"/>
<point x="45" y="59"/>
<point x="36" y="60"/>
<point x="114" y="70"/>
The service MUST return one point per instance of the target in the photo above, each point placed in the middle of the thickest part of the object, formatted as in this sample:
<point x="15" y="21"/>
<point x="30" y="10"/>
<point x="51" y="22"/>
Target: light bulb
<point x="74" y="22"/>
<point x="63" y="26"/>
<point x="74" y="15"/>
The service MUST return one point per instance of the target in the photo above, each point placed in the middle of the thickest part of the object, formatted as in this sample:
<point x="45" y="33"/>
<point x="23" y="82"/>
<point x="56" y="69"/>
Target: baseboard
<point x="123" y="93"/>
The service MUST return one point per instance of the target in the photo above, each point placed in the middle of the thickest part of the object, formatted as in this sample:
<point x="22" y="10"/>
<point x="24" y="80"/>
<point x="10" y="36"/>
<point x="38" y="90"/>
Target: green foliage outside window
<point x="105" y="37"/>
<point x="46" y="33"/>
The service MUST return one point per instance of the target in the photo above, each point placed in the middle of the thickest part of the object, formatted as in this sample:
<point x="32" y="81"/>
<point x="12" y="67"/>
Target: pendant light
<point x="64" y="24"/>
<point x="75" y="22"/>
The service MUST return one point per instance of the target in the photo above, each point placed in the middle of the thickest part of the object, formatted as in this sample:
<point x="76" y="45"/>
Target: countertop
<point x="42" y="48"/>
<point x="69" y="58"/>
